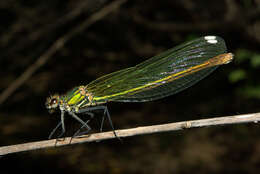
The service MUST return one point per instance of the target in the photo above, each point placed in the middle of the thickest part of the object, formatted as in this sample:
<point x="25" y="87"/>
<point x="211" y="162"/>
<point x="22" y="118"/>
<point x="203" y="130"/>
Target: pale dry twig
<point x="97" y="137"/>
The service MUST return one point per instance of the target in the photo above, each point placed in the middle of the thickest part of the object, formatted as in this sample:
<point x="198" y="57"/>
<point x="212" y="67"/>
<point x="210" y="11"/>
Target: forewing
<point x="158" y="76"/>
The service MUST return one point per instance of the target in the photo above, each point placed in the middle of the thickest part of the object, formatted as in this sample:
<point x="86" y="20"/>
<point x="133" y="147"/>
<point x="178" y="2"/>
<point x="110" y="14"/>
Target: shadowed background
<point x="134" y="32"/>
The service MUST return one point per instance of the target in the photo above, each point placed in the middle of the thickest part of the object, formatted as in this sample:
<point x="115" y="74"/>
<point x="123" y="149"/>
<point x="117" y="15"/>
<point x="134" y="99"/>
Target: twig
<point x="97" y="137"/>
<point x="57" y="45"/>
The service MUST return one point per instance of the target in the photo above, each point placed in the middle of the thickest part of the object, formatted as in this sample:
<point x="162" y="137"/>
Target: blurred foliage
<point x="255" y="61"/>
<point x="249" y="62"/>
<point x="250" y="91"/>
<point x="237" y="75"/>
<point x="136" y="31"/>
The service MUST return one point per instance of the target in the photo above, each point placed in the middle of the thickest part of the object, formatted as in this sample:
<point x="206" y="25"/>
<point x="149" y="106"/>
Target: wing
<point x="165" y="74"/>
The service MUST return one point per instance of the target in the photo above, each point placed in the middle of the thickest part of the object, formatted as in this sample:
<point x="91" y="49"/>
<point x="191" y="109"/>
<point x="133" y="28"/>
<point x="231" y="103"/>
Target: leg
<point x="106" y="113"/>
<point x="110" y="121"/>
<point x="92" y="109"/>
<point x="102" y="123"/>
<point x="84" y="124"/>
<point x="61" y="123"/>
<point x="79" y="133"/>
<point x="54" y="130"/>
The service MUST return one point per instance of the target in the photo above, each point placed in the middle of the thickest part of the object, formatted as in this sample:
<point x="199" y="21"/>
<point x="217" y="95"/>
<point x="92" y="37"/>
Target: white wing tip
<point x="211" y="39"/>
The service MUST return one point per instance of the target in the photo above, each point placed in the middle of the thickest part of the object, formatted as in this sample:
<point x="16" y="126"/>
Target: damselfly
<point x="165" y="74"/>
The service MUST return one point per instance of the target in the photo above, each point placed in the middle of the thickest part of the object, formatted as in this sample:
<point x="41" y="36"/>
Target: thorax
<point x="76" y="99"/>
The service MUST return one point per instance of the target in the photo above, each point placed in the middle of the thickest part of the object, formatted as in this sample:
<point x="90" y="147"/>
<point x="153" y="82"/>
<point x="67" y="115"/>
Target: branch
<point x="57" y="45"/>
<point x="40" y="32"/>
<point x="97" y="137"/>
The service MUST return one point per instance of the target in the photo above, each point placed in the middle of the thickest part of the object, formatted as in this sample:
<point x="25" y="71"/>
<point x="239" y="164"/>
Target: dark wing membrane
<point x="158" y="76"/>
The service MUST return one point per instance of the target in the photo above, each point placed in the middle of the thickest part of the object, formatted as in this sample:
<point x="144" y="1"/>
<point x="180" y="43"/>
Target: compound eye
<point x="53" y="101"/>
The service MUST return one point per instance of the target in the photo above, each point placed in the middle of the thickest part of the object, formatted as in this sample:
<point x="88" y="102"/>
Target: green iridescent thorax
<point x="75" y="97"/>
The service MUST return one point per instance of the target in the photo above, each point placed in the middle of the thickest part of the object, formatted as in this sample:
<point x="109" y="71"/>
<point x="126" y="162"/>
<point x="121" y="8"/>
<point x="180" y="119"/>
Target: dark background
<point x="131" y="34"/>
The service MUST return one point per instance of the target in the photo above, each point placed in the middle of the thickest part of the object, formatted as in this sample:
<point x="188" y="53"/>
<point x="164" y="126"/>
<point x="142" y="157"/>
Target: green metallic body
<point x="165" y="74"/>
<point x="158" y="77"/>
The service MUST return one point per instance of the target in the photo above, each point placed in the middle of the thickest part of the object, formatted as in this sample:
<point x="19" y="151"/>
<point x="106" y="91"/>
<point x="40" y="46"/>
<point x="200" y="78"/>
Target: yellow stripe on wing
<point x="217" y="60"/>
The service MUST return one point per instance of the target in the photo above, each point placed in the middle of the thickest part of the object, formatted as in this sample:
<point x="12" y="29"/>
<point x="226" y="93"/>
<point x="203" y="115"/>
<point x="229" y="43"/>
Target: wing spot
<point x="211" y="39"/>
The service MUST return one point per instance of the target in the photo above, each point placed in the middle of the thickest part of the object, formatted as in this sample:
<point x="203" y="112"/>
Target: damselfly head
<point x="52" y="103"/>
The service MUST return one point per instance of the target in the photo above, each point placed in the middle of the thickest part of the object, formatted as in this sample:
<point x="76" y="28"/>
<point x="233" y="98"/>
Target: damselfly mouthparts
<point x="165" y="74"/>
